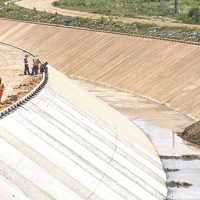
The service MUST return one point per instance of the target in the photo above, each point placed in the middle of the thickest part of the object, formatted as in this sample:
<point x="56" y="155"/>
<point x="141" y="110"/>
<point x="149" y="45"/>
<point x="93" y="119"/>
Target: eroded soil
<point x="192" y="133"/>
<point x="21" y="90"/>
<point x="11" y="71"/>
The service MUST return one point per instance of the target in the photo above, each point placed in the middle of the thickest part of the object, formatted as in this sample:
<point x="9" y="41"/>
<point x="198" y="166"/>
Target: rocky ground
<point x="192" y="133"/>
<point x="21" y="90"/>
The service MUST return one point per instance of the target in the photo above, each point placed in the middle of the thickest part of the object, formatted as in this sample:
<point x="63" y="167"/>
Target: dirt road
<point x="48" y="7"/>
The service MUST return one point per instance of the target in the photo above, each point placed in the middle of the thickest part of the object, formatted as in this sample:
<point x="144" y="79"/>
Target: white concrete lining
<point x="50" y="138"/>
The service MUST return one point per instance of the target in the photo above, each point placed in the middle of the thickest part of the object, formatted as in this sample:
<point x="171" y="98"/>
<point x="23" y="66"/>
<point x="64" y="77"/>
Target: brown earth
<point x="192" y="133"/>
<point x="11" y="72"/>
<point x="48" y="7"/>
<point x="21" y="90"/>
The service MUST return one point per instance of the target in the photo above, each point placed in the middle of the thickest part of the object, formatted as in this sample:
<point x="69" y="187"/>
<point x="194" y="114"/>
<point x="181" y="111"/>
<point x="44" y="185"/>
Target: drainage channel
<point x="181" y="160"/>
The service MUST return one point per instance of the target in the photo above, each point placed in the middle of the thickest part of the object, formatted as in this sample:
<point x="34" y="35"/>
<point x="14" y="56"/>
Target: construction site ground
<point x="173" y="91"/>
<point x="154" y="83"/>
<point x="147" y="67"/>
<point x="12" y="73"/>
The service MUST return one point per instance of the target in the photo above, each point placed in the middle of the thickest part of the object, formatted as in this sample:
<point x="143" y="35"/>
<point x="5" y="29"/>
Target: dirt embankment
<point x="192" y="133"/>
<point x="16" y="83"/>
<point x="23" y="88"/>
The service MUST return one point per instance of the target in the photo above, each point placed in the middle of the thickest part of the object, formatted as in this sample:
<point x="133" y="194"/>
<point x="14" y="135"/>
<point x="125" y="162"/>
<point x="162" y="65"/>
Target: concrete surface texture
<point x="165" y="71"/>
<point x="70" y="145"/>
<point x="160" y="123"/>
<point x="48" y="7"/>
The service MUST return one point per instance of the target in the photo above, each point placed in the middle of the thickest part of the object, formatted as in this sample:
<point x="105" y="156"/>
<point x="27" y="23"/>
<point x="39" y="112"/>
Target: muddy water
<point x="165" y="140"/>
<point x="189" y="172"/>
<point x="161" y="125"/>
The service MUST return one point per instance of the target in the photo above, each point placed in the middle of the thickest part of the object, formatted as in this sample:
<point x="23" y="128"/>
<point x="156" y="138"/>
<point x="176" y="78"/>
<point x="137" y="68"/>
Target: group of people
<point x="37" y="66"/>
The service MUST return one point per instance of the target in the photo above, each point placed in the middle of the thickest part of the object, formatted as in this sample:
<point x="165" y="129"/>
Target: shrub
<point x="194" y="14"/>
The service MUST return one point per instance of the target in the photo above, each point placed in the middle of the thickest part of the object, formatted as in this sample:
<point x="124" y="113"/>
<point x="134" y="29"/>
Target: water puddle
<point x="165" y="140"/>
<point x="189" y="172"/>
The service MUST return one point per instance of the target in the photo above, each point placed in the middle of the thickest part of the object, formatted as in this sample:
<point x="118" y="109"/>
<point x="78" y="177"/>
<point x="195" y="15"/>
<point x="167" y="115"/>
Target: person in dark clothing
<point x="2" y="87"/>
<point x="26" y="67"/>
<point x="44" y="68"/>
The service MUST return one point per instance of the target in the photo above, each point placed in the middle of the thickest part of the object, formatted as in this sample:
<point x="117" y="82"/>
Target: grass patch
<point x="2" y="2"/>
<point x="13" y="11"/>
<point x="135" y="8"/>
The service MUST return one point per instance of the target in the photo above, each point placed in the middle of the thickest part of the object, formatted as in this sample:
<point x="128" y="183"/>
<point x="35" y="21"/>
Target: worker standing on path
<point x="35" y="65"/>
<point x="2" y="87"/>
<point x="44" y="68"/>
<point x="26" y="67"/>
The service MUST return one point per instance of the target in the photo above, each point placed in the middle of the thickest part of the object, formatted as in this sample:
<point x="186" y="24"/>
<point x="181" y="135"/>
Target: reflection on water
<point x="166" y="142"/>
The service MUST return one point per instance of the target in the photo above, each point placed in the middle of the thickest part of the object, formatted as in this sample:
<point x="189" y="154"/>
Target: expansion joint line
<point x="112" y="157"/>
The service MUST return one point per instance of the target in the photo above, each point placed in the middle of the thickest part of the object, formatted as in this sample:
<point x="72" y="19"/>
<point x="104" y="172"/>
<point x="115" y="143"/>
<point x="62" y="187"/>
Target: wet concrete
<point x="166" y="141"/>
<point x="161" y="124"/>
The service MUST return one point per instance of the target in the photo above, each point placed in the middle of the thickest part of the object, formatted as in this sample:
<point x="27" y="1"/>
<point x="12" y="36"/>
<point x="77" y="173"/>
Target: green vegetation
<point x="13" y="11"/>
<point x="188" y="10"/>
<point x="2" y="2"/>
<point x="128" y="8"/>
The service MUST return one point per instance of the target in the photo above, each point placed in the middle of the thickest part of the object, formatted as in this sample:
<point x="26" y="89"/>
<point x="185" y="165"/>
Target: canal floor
<point x="162" y="125"/>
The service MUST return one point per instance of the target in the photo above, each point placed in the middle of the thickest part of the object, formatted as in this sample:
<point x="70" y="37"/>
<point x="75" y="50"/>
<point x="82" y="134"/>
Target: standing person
<point x="35" y="65"/>
<point x="26" y="67"/>
<point x="2" y="87"/>
<point x="44" y="68"/>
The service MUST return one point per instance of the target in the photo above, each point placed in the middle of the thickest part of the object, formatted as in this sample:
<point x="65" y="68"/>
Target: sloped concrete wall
<point x="66" y="144"/>
<point x="165" y="71"/>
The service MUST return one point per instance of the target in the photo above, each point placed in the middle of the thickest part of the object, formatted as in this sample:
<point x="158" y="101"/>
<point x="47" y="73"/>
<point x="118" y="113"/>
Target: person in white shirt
<point x="35" y="68"/>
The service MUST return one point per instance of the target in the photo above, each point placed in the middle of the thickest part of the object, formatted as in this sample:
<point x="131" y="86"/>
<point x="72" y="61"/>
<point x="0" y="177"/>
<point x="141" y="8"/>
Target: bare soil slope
<point x="165" y="71"/>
